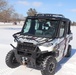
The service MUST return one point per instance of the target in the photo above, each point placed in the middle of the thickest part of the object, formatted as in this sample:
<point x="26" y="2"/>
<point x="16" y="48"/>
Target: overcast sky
<point x="65" y="7"/>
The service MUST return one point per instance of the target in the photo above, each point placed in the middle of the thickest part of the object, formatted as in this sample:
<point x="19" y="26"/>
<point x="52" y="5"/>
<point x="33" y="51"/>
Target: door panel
<point x="61" y="48"/>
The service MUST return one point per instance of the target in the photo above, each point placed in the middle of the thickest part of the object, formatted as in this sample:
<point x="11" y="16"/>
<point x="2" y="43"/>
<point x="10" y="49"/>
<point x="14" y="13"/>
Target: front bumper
<point x="29" y="51"/>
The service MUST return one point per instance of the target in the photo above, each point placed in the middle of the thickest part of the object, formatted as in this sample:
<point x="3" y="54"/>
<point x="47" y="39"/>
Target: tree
<point x="7" y="12"/>
<point x="74" y="23"/>
<point x="3" y="5"/>
<point x="17" y="17"/>
<point x="31" y="12"/>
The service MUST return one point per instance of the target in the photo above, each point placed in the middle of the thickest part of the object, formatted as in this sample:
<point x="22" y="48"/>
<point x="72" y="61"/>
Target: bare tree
<point x="3" y="5"/>
<point x="7" y="12"/>
<point x="31" y="12"/>
<point x="21" y="17"/>
<point x="17" y="17"/>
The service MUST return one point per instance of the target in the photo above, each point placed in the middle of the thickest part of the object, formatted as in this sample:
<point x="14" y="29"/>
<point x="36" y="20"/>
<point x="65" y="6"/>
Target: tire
<point x="48" y="66"/>
<point x="11" y="60"/>
<point x="68" y="51"/>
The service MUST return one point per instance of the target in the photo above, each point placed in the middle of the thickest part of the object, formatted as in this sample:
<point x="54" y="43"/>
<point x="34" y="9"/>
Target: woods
<point x="7" y="13"/>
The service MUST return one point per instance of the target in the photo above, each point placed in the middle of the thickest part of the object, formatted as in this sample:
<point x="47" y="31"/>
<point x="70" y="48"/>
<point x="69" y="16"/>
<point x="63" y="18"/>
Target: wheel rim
<point x="13" y="59"/>
<point x="51" y="67"/>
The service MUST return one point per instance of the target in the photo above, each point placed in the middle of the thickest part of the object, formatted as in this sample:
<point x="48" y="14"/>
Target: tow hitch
<point x="24" y="60"/>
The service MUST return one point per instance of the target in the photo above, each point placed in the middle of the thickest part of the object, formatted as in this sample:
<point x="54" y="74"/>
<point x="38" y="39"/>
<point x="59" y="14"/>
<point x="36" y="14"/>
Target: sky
<point x="65" y="7"/>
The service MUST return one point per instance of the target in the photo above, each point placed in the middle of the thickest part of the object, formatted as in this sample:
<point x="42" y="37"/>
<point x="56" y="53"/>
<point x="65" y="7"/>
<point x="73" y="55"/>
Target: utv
<point x="42" y="42"/>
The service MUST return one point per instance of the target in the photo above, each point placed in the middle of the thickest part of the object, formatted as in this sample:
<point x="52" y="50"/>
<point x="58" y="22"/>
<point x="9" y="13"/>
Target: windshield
<point x="40" y="27"/>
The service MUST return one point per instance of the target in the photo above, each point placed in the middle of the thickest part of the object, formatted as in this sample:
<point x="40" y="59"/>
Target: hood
<point x="31" y="39"/>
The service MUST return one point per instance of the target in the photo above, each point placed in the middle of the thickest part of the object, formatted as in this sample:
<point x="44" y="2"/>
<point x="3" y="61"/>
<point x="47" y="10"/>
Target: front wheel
<point x="48" y="66"/>
<point x="11" y="60"/>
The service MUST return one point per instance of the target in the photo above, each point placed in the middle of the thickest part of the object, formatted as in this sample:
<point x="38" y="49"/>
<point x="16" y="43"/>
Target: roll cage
<point x="53" y="17"/>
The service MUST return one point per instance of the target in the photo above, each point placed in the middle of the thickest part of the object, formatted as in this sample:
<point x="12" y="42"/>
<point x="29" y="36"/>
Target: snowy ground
<point x="65" y="67"/>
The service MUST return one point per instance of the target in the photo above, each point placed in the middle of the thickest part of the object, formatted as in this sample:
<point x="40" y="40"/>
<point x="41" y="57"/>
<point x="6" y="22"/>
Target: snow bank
<point x="2" y="23"/>
<point x="11" y="23"/>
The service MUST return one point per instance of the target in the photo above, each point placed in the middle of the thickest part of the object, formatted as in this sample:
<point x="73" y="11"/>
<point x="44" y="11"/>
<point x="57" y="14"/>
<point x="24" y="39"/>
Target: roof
<point x="50" y="16"/>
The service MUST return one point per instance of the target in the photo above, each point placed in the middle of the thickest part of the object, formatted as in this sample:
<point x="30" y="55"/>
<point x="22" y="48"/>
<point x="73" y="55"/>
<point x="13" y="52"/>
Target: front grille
<point x="26" y="47"/>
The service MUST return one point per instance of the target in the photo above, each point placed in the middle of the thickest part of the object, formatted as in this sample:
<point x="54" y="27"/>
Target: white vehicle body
<point x="51" y="45"/>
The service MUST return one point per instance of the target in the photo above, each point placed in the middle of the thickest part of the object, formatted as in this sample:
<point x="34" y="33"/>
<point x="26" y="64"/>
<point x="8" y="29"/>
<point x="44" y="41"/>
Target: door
<point x="62" y="40"/>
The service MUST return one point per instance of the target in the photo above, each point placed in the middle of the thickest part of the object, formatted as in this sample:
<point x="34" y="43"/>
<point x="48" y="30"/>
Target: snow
<point x="65" y="67"/>
<point x="2" y="23"/>
<point x="11" y="23"/>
